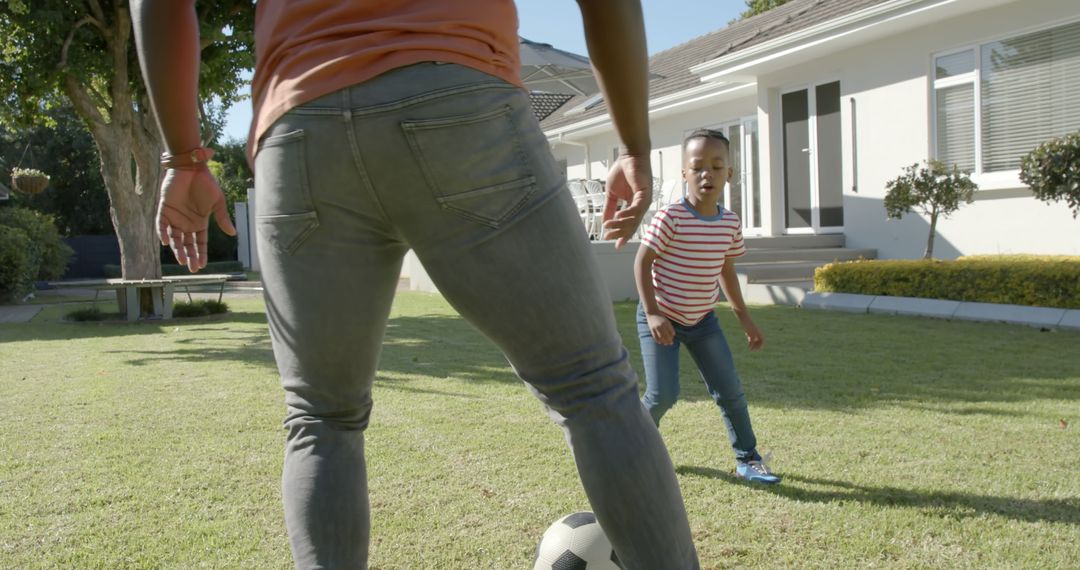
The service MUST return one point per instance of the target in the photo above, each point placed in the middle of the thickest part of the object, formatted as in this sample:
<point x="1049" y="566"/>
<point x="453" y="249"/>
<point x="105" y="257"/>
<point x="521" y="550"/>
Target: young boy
<point x="685" y="259"/>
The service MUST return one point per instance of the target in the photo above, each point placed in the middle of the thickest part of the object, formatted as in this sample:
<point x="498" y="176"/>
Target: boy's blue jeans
<point x="710" y="351"/>
<point x="450" y="162"/>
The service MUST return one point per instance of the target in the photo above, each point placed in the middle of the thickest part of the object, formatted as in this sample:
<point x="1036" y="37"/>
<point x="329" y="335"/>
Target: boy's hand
<point x="188" y="197"/>
<point x="629" y="180"/>
<point x="754" y="339"/>
<point x="661" y="329"/>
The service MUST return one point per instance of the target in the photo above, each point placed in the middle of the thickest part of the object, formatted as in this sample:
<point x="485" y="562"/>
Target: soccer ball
<point x="575" y="542"/>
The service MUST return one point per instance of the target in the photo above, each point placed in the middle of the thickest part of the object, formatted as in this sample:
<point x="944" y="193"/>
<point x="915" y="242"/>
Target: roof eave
<point x="745" y="59"/>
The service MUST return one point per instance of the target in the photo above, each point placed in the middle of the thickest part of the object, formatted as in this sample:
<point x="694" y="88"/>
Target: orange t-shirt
<point x="304" y="50"/>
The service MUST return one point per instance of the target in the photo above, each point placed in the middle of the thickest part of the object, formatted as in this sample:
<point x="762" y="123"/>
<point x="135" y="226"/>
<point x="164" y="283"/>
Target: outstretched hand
<point x="188" y="197"/>
<point x="628" y="180"/>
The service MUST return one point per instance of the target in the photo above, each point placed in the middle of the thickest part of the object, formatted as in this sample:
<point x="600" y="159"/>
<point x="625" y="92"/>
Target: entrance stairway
<point x="780" y="269"/>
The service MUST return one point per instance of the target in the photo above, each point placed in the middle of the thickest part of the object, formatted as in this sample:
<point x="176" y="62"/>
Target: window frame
<point x="999" y="180"/>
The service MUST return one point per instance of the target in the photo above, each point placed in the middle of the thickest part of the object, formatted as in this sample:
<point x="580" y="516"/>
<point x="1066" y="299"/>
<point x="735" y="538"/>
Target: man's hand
<point x="188" y="197"/>
<point x="661" y="329"/>
<point x="630" y="180"/>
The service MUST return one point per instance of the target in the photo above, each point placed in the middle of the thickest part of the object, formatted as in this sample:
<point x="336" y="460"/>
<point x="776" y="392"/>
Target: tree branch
<point x="95" y="7"/>
<point x="71" y="37"/>
<point x="83" y="103"/>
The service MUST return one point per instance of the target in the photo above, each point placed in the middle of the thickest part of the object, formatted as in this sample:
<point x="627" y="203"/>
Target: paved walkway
<point x="19" y="313"/>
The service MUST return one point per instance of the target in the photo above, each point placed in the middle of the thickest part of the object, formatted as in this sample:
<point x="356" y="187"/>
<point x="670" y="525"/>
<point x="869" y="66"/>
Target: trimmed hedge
<point x="1033" y="280"/>
<point x="113" y="271"/>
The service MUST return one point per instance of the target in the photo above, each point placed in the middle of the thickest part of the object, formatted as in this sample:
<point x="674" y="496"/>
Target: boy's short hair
<point x="707" y="134"/>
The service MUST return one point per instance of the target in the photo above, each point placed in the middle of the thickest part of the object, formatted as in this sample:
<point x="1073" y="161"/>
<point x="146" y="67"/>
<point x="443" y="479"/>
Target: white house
<point x="826" y="100"/>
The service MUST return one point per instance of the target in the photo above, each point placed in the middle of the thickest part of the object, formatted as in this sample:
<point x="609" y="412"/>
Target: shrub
<point x="50" y="254"/>
<point x="1052" y="170"/>
<point x="86" y="314"/>
<point x="1043" y="281"/>
<point x="936" y="190"/>
<point x="200" y="308"/>
<point x="17" y="266"/>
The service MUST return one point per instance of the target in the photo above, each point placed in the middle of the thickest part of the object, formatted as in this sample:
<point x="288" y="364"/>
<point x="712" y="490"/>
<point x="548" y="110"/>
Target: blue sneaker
<point x="756" y="472"/>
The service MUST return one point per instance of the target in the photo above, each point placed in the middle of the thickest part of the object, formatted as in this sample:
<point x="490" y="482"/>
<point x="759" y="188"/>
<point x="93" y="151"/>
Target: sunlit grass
<point x="904" y="443"/>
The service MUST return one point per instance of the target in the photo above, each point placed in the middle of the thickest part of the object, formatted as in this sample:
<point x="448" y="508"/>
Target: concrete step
<point x="779" y="271"/>
<point x="824" y="254"/>
<point x="796" y="241"/>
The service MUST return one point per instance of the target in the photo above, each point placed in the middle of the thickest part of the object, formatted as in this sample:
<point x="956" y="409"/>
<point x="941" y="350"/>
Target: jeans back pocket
<point x="284" y="212"/>
<point x="474" y="164"/>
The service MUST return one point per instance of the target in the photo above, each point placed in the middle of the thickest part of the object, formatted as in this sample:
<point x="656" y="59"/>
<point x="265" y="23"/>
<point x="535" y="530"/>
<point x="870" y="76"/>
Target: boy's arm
<point x="615" y="34"/>
<point x="729" y="283"/>
<point x="659" y="325"/>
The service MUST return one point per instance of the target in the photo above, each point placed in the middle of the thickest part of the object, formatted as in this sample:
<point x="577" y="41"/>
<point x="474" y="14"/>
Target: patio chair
<point x="581" y="200"/>
<point x="596" y="196"/>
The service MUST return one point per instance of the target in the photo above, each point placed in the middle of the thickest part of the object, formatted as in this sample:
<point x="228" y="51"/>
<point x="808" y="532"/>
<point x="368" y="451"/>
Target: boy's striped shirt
<point x="691" y="250"/>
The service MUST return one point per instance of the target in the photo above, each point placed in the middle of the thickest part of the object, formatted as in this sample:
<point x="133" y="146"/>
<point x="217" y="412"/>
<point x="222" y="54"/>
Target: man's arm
<point x="615" y="34"/>
<point x="167" y="40"/>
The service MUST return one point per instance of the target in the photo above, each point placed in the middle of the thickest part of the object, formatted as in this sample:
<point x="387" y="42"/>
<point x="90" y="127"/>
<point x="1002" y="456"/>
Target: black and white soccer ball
<point x="576" y="542"/>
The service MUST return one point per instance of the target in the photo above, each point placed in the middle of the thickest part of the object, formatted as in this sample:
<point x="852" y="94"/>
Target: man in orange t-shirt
<point x="387" y="125"/>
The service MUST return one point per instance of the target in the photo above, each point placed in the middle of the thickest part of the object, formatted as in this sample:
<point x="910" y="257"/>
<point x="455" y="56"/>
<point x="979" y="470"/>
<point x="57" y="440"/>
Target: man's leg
<point x="490" y="218"/>
<point x="330" y="266"/>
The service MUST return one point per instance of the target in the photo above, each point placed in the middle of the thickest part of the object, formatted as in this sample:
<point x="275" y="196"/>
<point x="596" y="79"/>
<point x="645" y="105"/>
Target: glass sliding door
<point x="830" y="173"/>
<point x="743" y="192"/>
<point x="813" y="160"/>
<point x="795" y="107"/>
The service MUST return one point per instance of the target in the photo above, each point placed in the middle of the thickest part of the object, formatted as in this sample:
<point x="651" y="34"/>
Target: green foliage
<point x="49" y="254"/>
<point x="76" y="196"/>
<point x="17" y="265"/>
<point x="1042" y="281"/>
<point x="1052" y="170"/>
<point x="48" y="42"/>
<point x="755" y="7"/>
<point x="935" y="190"/>
<point x="28" y="172"/>
<point x="201" y="308"/>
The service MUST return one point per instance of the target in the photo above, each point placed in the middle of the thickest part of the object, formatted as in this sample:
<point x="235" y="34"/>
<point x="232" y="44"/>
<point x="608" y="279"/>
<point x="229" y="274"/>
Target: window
<point x="995" y="102"/>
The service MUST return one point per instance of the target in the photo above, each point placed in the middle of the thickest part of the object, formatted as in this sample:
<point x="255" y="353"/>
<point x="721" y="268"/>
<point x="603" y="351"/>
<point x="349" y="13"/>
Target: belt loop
<point x="346" y="96"/>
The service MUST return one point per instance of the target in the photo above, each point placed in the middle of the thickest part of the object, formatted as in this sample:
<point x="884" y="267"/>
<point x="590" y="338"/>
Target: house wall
<point x="886" y="82"/>
<point x="667" y="135"/>
<point x="889" y="82"/>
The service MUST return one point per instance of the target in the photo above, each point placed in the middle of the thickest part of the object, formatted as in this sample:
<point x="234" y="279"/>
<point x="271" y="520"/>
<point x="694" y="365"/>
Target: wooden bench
<point x="161" y="292"/>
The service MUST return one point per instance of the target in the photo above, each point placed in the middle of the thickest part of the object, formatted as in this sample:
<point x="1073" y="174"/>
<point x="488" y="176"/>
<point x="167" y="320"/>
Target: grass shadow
<point x="940" y="503"/>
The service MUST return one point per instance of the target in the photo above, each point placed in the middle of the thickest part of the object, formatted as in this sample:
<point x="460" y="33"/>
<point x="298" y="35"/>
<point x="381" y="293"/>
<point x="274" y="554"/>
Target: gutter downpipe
<point x="588" y="161"/>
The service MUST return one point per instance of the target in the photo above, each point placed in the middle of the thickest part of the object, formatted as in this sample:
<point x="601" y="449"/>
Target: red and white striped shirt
<point x="690" y="253"/>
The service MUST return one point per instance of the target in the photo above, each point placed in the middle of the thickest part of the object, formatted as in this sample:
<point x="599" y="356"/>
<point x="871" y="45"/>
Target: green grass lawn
<point x="904" y="443"/>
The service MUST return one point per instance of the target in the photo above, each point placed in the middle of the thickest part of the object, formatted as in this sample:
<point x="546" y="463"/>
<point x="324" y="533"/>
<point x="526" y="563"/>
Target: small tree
<point x="1052" y="171"/>
<point x="935" y="190"/>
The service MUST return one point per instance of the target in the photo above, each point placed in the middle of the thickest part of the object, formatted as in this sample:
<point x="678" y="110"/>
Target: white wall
<point x="888" y="80"/>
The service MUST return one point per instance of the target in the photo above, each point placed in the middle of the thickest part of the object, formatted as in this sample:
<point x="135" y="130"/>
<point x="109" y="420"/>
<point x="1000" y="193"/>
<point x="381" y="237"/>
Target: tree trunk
<point x="128" y="149"/>
<point x="929" y="253"/>
<point x="133" y="206"/>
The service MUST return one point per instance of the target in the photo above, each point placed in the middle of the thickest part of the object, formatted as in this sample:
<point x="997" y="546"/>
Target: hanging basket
<point x="29" y="180"/>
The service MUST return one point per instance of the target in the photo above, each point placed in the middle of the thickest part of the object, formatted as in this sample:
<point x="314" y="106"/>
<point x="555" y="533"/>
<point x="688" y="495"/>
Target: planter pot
<point x="29" y="184"/>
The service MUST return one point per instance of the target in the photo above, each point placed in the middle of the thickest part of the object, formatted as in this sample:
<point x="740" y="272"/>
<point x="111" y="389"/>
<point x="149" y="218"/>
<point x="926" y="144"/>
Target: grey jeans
<point x="450" y="162"/>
